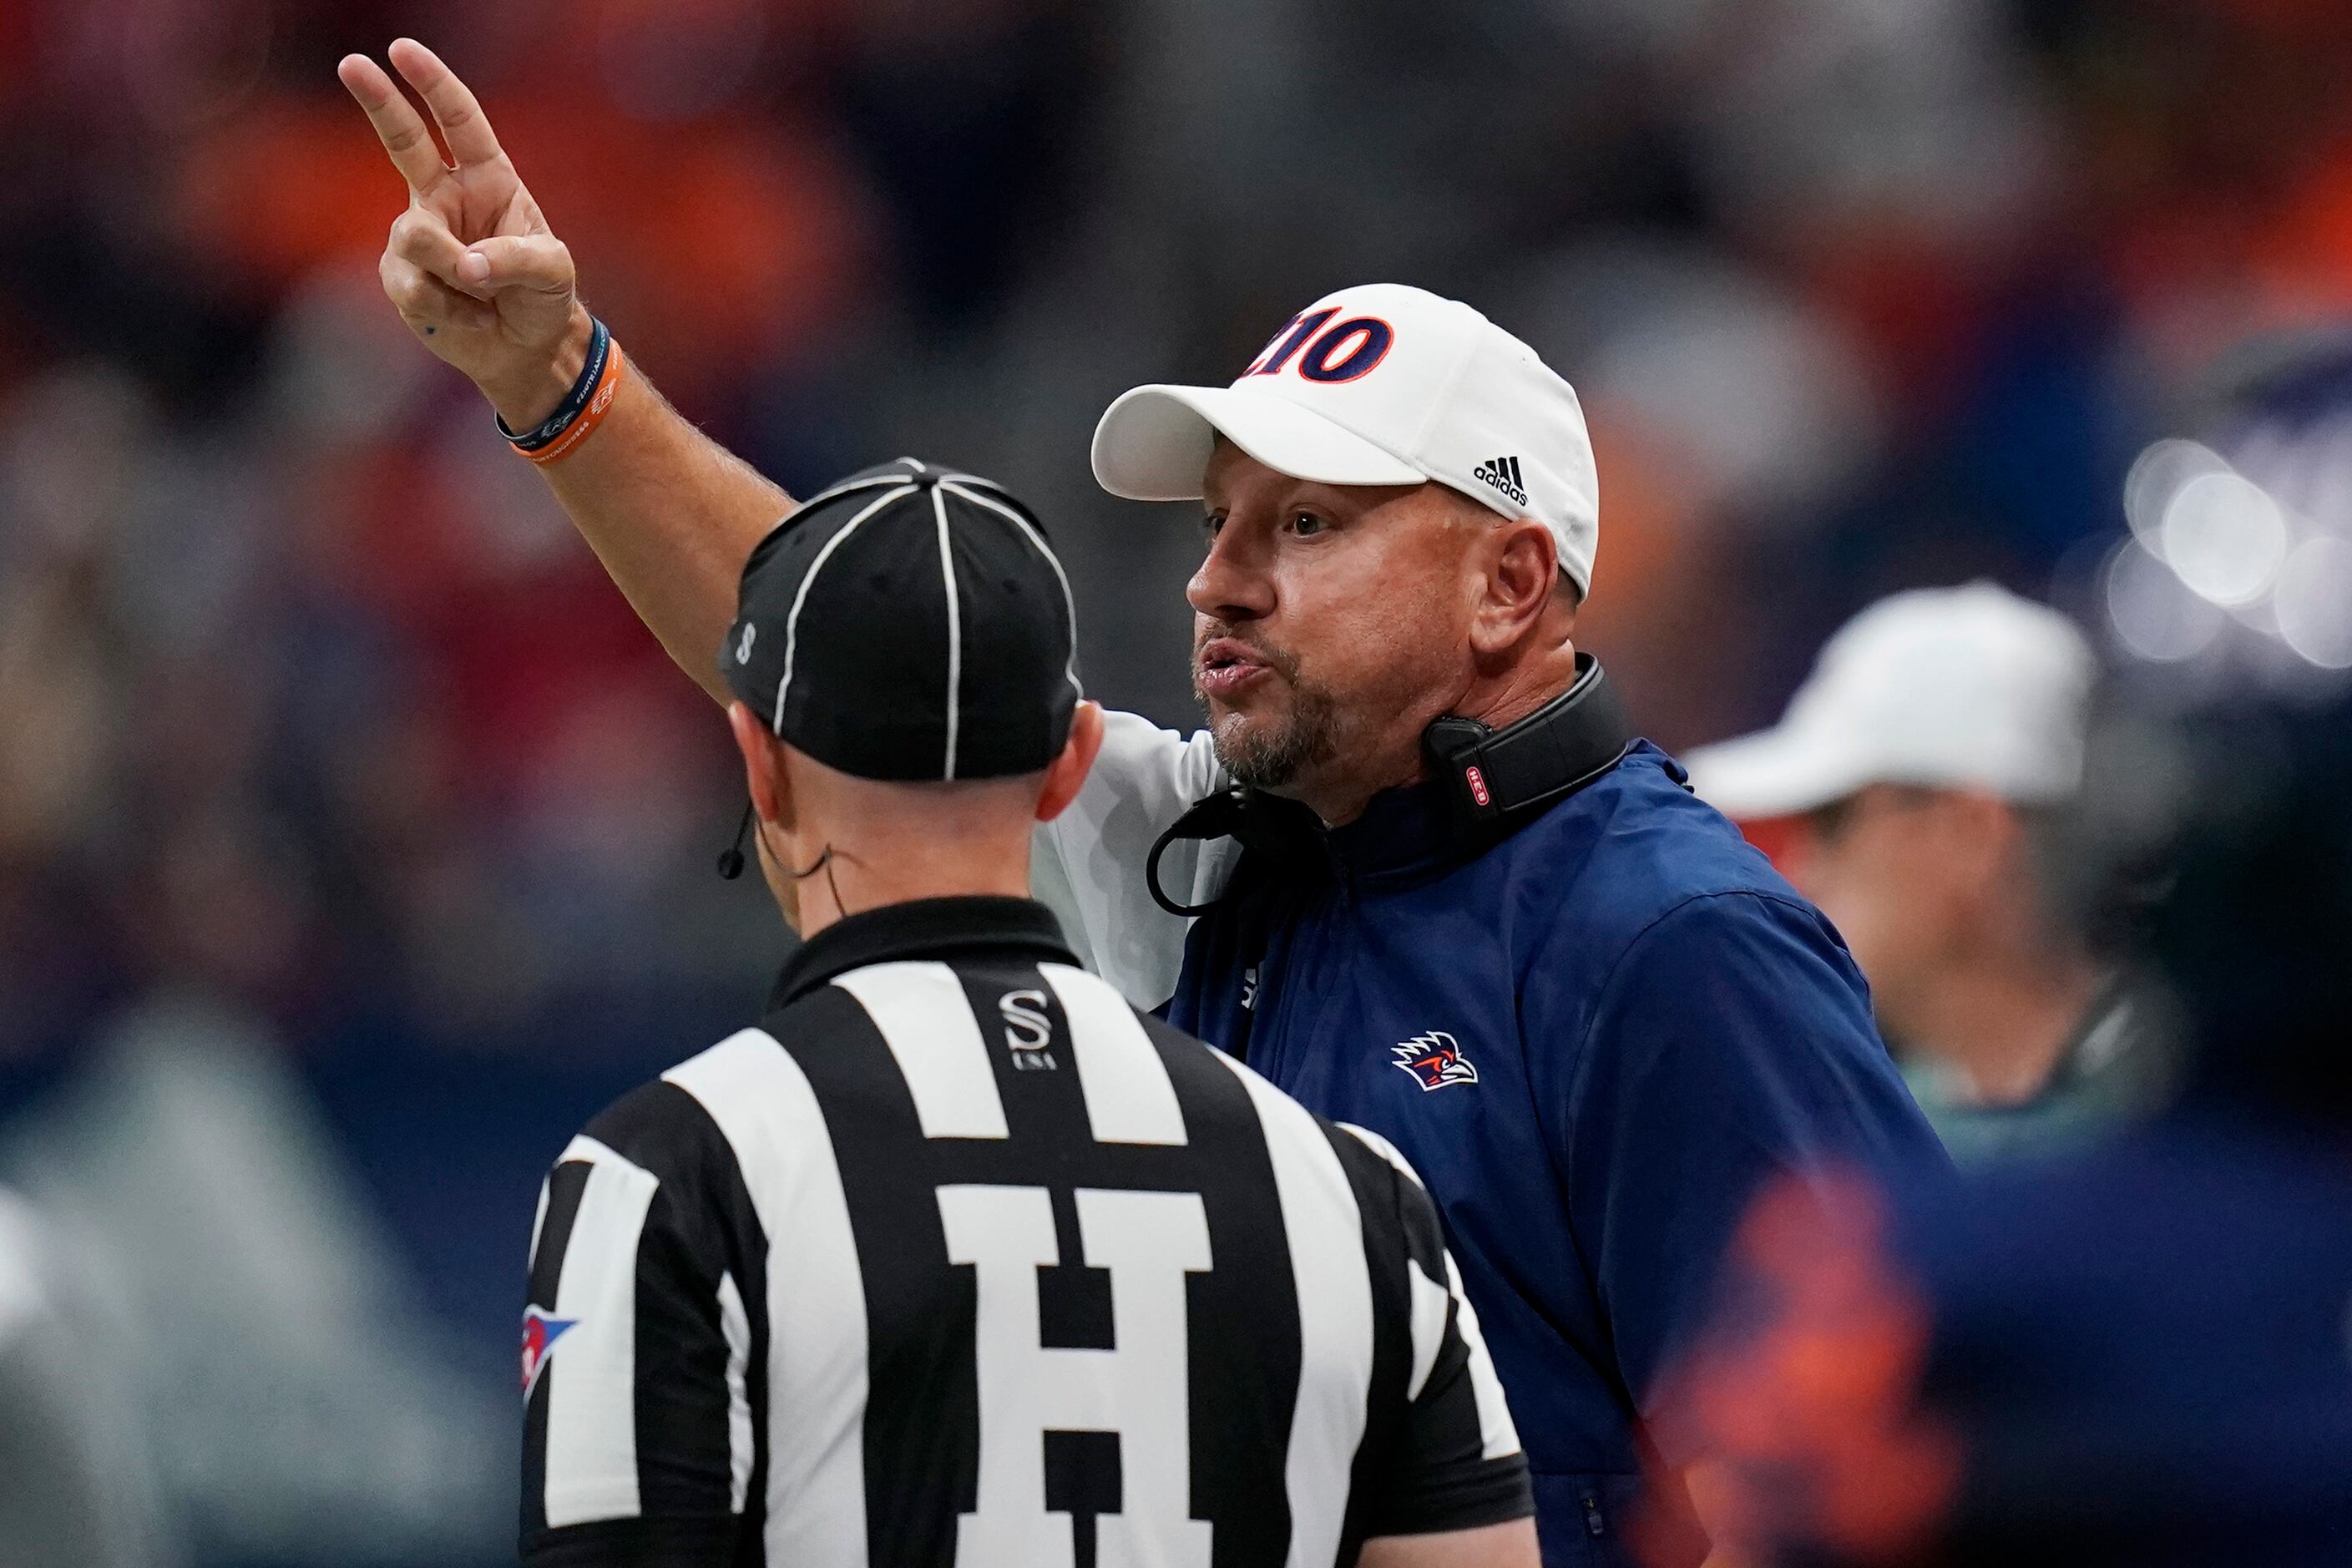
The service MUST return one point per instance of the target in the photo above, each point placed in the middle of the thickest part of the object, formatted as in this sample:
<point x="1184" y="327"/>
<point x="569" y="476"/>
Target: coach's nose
<point x="1233" y="582"/>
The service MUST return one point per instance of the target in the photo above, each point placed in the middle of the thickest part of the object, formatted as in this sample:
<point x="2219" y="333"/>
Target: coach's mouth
<point x="1225" y="666"/>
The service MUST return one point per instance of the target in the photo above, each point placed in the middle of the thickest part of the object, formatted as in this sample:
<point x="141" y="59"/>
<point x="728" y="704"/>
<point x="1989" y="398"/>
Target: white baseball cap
<point x="1969" y="688"/>
<point x="1379" y="385"/>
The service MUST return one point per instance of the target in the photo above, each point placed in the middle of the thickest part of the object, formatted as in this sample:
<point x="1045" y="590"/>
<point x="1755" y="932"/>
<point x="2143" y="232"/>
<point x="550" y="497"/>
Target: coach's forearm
<point x="672" y="514"/>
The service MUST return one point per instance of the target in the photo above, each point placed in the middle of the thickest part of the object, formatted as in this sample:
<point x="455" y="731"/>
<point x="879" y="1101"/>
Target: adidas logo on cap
<point x="1503" y="473"/>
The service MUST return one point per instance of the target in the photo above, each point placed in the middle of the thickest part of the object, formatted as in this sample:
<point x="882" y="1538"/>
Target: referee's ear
<point x="764" y="771"/>
<point x="1067" y="774"/>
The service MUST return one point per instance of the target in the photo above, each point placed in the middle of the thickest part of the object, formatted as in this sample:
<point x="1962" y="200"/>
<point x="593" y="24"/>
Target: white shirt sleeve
<point x="1088" y="864"/>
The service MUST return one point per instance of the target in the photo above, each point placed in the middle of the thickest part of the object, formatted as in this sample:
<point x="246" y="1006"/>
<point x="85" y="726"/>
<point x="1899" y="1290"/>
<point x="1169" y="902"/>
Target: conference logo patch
<point x="540" y="1333"/>
<point x="1028" y="1031"/>
<point x="1435" y="1059"/>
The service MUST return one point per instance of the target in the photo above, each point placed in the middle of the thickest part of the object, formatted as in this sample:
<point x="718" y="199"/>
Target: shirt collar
<point x="1406" y="834"/>
<point x="922" y="928"/>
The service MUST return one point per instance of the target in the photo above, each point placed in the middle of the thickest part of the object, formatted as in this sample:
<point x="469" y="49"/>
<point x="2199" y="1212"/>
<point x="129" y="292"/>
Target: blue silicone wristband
<point x="545" y="432"/>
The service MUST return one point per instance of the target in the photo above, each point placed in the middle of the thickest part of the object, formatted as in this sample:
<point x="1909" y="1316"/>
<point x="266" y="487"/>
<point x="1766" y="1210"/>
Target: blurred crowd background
<point x="355" y="843"/>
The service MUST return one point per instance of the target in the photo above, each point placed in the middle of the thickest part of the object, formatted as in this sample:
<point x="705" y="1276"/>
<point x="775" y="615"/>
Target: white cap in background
<point x="1379" y="385"/>
<point x="1966" y="688"/>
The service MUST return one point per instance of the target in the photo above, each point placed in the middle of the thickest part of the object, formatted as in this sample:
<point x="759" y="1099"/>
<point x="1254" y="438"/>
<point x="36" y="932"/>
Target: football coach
<point x="1416" y="871"/>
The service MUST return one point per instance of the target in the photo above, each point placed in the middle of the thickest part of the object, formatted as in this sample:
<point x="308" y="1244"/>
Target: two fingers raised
<point x="403" y="130"/>
<point x="455" y="109"/>
<point x="434" y="276"/>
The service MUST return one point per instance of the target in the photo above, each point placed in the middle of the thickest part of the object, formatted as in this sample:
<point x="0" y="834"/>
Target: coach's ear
<point x="1067" y="774"/>
<point x="1523" y="577"/>
<point x="764" y="764"/>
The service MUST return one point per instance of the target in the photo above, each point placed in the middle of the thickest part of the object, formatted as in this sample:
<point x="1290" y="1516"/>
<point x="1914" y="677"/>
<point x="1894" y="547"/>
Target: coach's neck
<point x="1496" y="690"/>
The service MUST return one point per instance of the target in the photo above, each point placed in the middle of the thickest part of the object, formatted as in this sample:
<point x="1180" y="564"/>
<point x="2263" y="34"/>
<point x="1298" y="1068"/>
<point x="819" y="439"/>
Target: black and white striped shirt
<point x="959" y="1259"/>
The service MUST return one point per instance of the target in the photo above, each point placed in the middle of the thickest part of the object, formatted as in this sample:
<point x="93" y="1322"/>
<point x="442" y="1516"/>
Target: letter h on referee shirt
<point x="1149" y="1241"/>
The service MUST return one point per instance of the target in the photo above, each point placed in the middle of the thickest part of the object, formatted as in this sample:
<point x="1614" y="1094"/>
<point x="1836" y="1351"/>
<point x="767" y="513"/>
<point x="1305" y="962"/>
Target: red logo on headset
<point x="1477" y="785"/>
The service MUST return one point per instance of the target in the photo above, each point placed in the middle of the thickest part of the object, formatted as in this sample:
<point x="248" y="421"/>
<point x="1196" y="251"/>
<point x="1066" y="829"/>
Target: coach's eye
<point x="1307" y="525"/>
<point x="1213" y="524"/>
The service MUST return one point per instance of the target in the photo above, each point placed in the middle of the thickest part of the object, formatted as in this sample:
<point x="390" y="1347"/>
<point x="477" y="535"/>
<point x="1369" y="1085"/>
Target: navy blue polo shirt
<point x="1593" y="1041"/>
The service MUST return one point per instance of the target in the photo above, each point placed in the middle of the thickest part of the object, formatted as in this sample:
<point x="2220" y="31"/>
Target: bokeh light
<point x="2152" y="612"/>
<point x="2156" y="475"/>
<point x="2314" y="602"/>
<point x="2224" y="537"/>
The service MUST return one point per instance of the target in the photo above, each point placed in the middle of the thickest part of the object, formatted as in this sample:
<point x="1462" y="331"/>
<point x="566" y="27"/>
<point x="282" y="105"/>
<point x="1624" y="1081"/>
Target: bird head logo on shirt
<point x="540" y="1333"/>
<point x="1435" y="1059"/>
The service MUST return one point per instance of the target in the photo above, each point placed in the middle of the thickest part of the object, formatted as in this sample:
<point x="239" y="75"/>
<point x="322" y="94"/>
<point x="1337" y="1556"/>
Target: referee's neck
<point x="833" y="844"/>
<point x="853" y="881"/>
<point x="859" y="845"/>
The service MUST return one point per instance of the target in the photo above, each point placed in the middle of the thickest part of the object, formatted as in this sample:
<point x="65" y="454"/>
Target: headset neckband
<point x="1491" y="780"/>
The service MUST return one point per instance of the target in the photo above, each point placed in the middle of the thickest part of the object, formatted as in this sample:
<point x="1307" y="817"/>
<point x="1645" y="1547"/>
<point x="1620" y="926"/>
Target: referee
<point x="956" y="1258"/>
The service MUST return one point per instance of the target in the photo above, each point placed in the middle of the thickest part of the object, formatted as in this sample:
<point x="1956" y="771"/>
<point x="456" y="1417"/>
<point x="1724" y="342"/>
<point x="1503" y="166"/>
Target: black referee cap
<point x="909" y="622"/>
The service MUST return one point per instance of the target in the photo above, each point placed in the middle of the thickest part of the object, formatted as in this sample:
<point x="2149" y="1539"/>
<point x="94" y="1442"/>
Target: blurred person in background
<point x="2139" y="1355"/>
<point x="1416" y="850"/>
<point x="76" y="1489"/>
<point x="1910" y="792"/>
<point x="219" y="1279"/>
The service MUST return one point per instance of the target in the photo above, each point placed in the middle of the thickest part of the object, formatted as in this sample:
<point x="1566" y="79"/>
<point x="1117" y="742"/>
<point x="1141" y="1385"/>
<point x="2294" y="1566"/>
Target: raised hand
<point x="471" y="266"/>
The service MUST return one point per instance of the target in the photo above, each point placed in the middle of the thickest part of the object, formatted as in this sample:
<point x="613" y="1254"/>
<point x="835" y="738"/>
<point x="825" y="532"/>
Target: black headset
<point x="1492" y="779"/>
